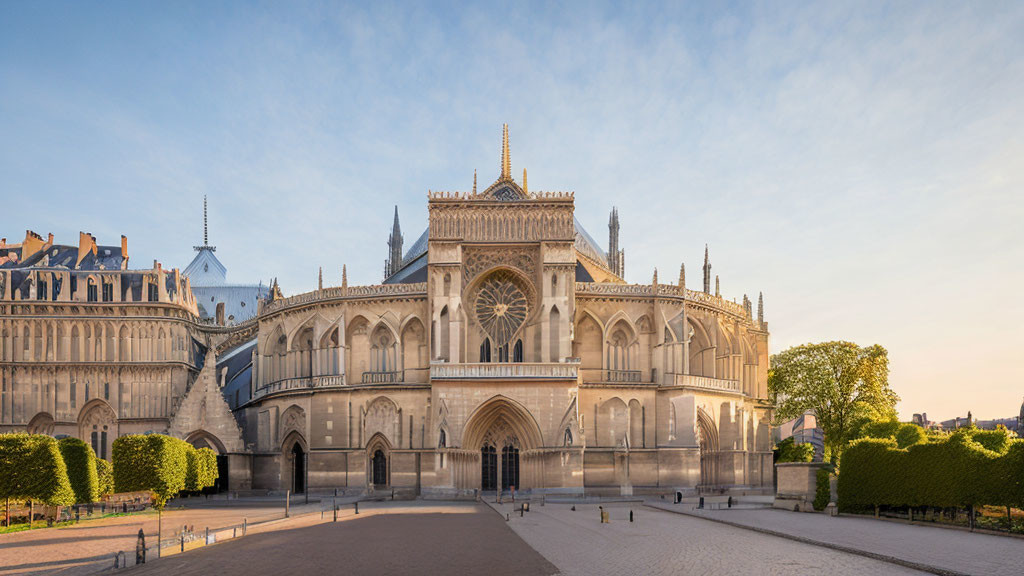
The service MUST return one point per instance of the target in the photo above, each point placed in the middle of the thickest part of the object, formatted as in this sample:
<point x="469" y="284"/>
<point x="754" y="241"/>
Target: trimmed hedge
<point x="81" y="463"/>
<point x="822" y="489"/>
<point x="151" y="462"/>
<point x="957" y="471"/>
<point x="104" y="477"/>
<point x="789" y="451"/>
<point x="31" y="468"/>
<point x="202" y="469"/>
<point x="906" y="434"/>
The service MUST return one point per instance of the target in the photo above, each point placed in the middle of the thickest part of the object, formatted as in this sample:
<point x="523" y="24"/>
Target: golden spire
<point x="506" y="161"/>
<point x="474" y="180"/>
<point x="525" y="191"/>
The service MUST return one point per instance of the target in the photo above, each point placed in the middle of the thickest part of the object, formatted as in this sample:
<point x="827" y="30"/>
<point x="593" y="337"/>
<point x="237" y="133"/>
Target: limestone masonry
<point x="503" y="349"/>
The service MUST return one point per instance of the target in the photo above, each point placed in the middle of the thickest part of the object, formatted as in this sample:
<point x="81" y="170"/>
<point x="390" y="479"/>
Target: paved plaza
<point x="663" y="543"/>
<point x="424" y="537"/>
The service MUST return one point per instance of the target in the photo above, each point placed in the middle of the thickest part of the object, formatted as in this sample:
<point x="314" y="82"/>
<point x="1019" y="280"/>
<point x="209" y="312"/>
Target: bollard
<point x="245" y="525"/>
<point x="521" y="510"/>
<point x="140" y="548"/>
<point x="506" y="517"/>
<point x="234" y="532"/>
<point x="182" y="540"/>
<point x="392" y="494"/>
<point x="630" y="515"/>
<point x="287" y="502"/>
<point x="207" y="539"/>
<point x="335" y="513"/>
<point x="357" y="507"/>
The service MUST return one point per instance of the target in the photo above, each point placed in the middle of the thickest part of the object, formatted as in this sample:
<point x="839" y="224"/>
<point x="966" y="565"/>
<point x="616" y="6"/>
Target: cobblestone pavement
<point x="450" y="539"/>
<point x="672" y="544"/>
<point x="85" y="547"/>
<point x="943" y="548"/>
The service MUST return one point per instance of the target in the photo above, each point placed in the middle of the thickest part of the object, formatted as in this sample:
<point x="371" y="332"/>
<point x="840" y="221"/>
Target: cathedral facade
<point x="503" y="349"/>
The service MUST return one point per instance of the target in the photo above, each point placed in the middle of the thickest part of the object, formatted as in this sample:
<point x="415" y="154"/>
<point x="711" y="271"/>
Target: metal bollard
<point x="207" y="539"/>
<point x="630" y="515"/>
<point x="245" y="525"/>
<point x="357" y="507"/>
<point x="287" y="502"/>
<point x="335" y="513"/>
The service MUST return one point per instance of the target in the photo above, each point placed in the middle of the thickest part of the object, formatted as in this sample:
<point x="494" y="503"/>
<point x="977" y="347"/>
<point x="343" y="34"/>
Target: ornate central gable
<point x="504" y="191"/>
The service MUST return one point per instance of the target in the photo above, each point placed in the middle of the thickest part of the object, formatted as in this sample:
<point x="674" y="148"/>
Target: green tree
<point x="81" y="464"/>
<point x="151" y="462"/>
<point x="31" y="468"/>
<point x="842" y="382"/>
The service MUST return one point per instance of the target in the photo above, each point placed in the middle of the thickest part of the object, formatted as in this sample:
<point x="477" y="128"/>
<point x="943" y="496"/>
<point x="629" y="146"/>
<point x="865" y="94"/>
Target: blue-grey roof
<point x="239" y="300"/>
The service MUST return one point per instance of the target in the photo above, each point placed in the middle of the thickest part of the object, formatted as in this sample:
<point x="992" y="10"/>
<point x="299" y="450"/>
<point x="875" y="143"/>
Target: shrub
<point x="150" y="462"/>
<point x="994" y="440"/>
<point x="31" y="468"/>
<point x="81" y="464"/>
<point x="789" y="451"/>
<point x="905" y="433"/>
<point x="908" y="435"/>
<point x="202" y="469"/>
<point x="823" y="491"/>
<point x="104" y="477"/>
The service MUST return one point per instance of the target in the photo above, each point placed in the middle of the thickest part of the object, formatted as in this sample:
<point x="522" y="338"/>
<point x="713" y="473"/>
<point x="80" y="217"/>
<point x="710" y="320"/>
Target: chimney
<point x="220" y="313"/>
<point x="86" y="244"/>
<point x="124" y="247"/>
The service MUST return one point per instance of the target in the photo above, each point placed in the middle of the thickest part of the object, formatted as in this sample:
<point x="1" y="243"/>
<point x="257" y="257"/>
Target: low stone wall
<point x="798" y="482"/>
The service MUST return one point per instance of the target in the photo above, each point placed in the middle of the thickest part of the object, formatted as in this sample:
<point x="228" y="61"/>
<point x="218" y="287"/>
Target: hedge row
<point x="104" y="477"/>
<point x="162" y="464"/>
<point x="32" y="468"/>
<point x="822" y="489"/>
<point x="956" y="471"/>
<point x="81" y="463"/>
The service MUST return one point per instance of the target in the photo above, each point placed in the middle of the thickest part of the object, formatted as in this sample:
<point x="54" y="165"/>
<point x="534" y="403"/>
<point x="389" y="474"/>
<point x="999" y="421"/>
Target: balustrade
<point x="537" y="370"/>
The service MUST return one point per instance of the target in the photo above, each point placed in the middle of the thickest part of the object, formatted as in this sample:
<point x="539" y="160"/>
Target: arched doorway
<point x="379" y="466"/>
<point x="503" y="430"/>
<point x="298" y="469"/>
<point x="488" y="469"/>
<point x="97" y="426"/>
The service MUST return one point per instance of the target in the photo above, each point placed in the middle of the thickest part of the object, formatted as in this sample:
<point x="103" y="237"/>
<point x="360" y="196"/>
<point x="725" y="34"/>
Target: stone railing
<point x="546" y="370"/>
<point x="610" y="289"/>
<point x="338" y="292"/>
<point x="618" y="376"/>
<point x="706" y="383"/>
<point x="381" y="377"/>
<point x="303" y="383"/>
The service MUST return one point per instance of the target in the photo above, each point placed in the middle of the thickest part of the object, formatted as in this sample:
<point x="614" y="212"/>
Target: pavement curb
<point x="837" y="547"/>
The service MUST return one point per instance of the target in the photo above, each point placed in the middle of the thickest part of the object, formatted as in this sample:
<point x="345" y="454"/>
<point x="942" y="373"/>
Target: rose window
<point x="501" y="307"/>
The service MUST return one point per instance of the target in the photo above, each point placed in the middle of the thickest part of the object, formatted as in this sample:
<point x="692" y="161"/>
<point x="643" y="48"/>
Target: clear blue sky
<point x="861" y="163"/>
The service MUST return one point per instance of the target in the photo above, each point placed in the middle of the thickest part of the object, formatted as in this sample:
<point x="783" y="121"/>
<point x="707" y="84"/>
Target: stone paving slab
<point x="662" y="543"/>
<point x="942" y="549"/>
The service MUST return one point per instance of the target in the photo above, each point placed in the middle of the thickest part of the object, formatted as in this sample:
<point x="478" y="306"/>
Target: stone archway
<point x="707" y="439"/>
<point x="41" y="423"/>
<point x="502" y="434"/>
<point x="294" y="452"/>
<point x="378" y="463"/>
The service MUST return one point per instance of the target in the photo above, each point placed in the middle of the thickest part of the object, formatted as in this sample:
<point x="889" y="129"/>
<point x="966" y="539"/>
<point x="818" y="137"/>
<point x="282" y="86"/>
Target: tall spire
<point x="616" y="256"/>
<point x="320" y="279"/>
<point x="206" y="230"/>
<point x="760" y="308"/>
<point x="707" y="271"/>
<point x="344" y="276"/>
<point x="506" y="160"/>
<point x="394" y="261"/>
<point x="206" y="233"/>
<point x="682" y="276"/>
<point x="525" y="191"/>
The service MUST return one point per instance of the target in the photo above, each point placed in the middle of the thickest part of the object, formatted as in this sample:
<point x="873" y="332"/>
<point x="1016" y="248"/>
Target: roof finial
<point x="474" y="180"/>
<point x="320" y="279"/>
<point x="344" y="277"/>
<point x="760" y="308"/>
<point x="682" y="276"/>
<point x="506" y="161"/>
<point x="718" y="291"/>
<point x="525" y="191"/>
